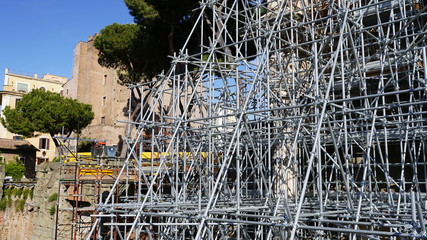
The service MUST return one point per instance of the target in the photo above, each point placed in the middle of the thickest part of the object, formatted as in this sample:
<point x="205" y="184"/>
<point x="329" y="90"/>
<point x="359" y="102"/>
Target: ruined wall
<point x="2" y="175"/>
<point x="28" y="212"/>
<point x="15" y="224"/>
<point x="46" y="187"/>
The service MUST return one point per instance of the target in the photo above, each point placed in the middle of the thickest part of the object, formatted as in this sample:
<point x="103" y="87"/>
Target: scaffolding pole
<point x="294" y="120"/>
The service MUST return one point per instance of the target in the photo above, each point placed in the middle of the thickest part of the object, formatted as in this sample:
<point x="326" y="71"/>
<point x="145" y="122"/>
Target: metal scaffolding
<point x="294" y="120"/>
<point x="85" y="178"/>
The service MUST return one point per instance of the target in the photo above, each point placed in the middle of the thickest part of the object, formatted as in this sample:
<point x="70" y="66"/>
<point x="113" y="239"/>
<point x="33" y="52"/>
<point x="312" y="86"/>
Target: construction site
<point x="293" y="120"/>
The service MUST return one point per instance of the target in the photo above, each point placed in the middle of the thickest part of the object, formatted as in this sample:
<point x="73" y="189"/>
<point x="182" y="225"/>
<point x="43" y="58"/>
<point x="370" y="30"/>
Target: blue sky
<point x="39" y="36"/>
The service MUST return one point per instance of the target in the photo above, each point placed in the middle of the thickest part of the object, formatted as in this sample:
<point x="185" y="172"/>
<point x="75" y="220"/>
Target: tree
<point x="140" y="51"/>
<point x="46" y="112"/>
<point x="125" y="47"/>
<point x="170" y="21"/>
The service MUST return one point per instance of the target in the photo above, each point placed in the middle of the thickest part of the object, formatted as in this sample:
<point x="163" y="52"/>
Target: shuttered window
<point x="44" y="143"/>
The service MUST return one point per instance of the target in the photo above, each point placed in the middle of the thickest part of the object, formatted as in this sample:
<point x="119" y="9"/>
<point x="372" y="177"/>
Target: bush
<point x="56" y="159"/>
<point x="15" y="170"/>
<point x="3" y="204"/>
<point x="52" y="210"/>
<point x="19" y="205"/>
<point x="53" y="197"/>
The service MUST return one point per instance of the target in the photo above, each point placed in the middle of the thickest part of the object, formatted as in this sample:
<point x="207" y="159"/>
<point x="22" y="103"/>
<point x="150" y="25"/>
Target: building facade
<point x="96" y="85"/>
<point x="16" y="84"/>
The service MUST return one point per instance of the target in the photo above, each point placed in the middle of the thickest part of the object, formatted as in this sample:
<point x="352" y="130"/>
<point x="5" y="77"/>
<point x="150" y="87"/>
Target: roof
<point x="11" y="144"/>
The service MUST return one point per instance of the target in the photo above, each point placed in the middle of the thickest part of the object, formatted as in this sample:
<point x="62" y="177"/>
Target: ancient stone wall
<point x="26" y="211"/>
<point x="2" y="175"/>
<point x="46" y="187"/>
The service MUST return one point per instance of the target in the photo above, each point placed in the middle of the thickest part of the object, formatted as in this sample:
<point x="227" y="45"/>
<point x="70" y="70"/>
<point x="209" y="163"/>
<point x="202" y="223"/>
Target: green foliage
<point x="163" y="24"/>
<point x="123" y="47"/>
<point x="56" y="159"/>
<point x="19" y="192"/>
<point x="3" y="204"/>
<point x="19" y="205"/>
<point x="84" y="146"/>
<point x="6" y="201"/>
<point x="52" y="210"/>
<point x="26" y="193"/>
<point x="32" y="194"/>
<point x="13" y="192"/>
<point x="46" y="112"/>
<point x="7" y="192"/>
<point x="53" y="197"/>
<point x="170" y="21"/>
<point x="9" y="202"/>
<point x="15" y="170"/>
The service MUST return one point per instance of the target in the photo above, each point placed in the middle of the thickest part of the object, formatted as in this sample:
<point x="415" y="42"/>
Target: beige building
<point x="96" y="85"/>
<point x="17" y="84"/>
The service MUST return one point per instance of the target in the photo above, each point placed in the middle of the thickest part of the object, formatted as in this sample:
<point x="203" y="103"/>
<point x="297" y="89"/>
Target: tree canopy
<point x="46" y="112"/>
<point x="170" y="21"/>
<point x="125" y="47"/>
<point x="140" y="51"/>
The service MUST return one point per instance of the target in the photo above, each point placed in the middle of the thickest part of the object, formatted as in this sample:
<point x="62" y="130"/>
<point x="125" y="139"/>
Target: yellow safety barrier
<point x="80" y="156"/>
<point x="95" y="172"/>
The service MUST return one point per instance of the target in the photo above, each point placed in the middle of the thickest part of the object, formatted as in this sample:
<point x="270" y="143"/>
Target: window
<point x="42" y="88"/>
<point x="17" y="101"/>
<point x="22" y="87"/>
<point x="103" y="100"/>
<point x="44" y="143"/>
<point x="102" y="120"/>
<point x="2" y="159"/>
<point x="17" y="137"/>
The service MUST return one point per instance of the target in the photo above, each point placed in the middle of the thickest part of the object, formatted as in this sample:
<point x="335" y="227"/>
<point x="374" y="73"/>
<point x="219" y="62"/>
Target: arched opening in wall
<point x="42" y="88"/>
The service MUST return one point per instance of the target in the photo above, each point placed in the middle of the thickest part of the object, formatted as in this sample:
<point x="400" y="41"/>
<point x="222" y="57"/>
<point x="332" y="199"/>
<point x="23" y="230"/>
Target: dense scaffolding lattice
<point x="295" y="119"/>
